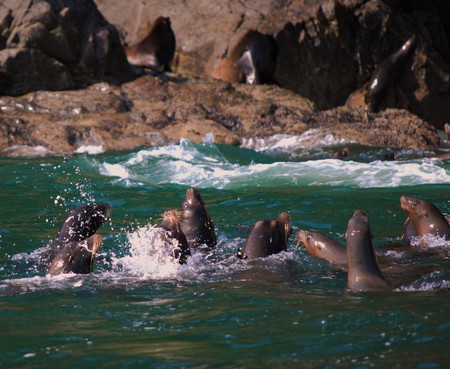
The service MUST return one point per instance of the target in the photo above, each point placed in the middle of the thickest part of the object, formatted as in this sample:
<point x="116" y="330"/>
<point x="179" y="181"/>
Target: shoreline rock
<point x="152" y="111"/>
<point x="87" y="95"/>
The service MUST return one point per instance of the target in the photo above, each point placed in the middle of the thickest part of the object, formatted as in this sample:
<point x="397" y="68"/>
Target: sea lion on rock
<point x="76" y="256"/>
<point x="156" y="51"/>
<point x="171" y="223"/>
<point x="383" y="76"/>
<point x="363" y="271"/>
<point x="252" y="60"/>
<point x="426" y="217"/>
<point x="267" y="237"/>
<point x="196" y="223"/>
<point x="323" y="247"/>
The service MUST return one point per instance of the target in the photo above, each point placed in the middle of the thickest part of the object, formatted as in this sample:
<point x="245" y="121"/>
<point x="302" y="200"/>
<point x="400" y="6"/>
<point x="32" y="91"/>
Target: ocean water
<point x="140" y="310"/>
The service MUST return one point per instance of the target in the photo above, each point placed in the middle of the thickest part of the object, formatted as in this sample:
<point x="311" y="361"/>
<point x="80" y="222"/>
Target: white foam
<point x="90" y="149"/>
<point x="26" y="151"/>
<point x="150" y="254"/>
<point x="431" y="282"/>
<point x="184" y="151"/>
<point x="114" y="170"/>
<point x="37" y="283"/>
<point x="429" y="241"/>
<point x="310" y="138"/>
<point x="203" y="165"/>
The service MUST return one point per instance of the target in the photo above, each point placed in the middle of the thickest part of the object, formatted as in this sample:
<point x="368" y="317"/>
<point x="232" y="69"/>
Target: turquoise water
<point x="291" y="310"/>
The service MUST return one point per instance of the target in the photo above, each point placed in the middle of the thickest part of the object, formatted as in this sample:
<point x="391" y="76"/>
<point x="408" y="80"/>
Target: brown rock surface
<point x="57" y="44"/>
<point x="155" y="111"/>
<point x="392" y="128"/>
<point x="328" y="49"/>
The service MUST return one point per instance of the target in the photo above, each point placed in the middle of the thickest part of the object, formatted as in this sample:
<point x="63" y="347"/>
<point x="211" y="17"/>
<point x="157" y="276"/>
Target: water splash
<point x="430" y="241"/>
<point x="149" y="254"/>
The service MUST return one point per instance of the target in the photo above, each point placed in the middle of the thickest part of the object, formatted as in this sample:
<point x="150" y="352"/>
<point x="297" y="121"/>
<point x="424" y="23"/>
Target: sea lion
<point x="323" y="247"/>
<point x="83" y="222"/>
<point x="426" y="217"/>
<point x="76" y="256"/>
<point x="384" y="75"/>
<point x="252" y="60"/>
<point x="409" y="231"/>
<point x="342" y="153"/>
<point x="196" y="223"/>
<point x="363" y="271"/>
<point x="75" y="244"/>
<point x="267" y="237"/>
<point x="447" y="130"/>
<point x="172" y="225"/>
<point x="156" y="51"/>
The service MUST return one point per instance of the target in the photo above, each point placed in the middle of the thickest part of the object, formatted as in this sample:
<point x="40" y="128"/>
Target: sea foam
<point x="186" y="164"/>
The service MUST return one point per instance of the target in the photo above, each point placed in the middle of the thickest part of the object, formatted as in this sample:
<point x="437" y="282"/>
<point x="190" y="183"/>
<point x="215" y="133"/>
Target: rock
<point x="205" y="30"/>
<point x="25" y="69"/>
<point x="156" y="111"/>
<point x="333" y="54"/>
<point x="56" y="45"/>
<point x="327" y="49"/>
<point x="391" y="128"/>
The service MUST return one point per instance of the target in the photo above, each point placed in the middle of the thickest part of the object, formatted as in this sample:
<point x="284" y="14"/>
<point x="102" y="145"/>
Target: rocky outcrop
<point x="148" y="111"/>
<point x="55" y="45"/>
<point x="335" y="53"/>
<point x="392" y="128"/>
<point x="205" y="30"/>
<point x="154" y="111"/>
<point x="328" y="49"/>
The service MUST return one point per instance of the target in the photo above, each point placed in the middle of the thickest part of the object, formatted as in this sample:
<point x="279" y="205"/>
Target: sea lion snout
<point x="407" y="203"/>
<point x="301" y="236"/>
<point x="285" y="219"/>
<point x="94" y="243"/>
<point x="193" y="196"/>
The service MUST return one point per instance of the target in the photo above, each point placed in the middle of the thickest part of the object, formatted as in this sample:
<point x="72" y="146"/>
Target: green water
<point x="287" y="311"/>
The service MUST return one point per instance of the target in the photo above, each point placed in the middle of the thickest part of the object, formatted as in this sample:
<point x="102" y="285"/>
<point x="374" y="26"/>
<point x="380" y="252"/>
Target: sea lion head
<point x="322" y="246"/>
<point x="172" y="220"/>
<point x="408" y="203"/>
<point x="426" y="217"/>
<point x="285" y="220"/>
<point x="76" y="257"/>
<point x="358" y="229"/>
<point x="193" y="198"/>
<point x="83" y="222"/>
<point x="171" y="223"/>
<point x="305" y="238"/>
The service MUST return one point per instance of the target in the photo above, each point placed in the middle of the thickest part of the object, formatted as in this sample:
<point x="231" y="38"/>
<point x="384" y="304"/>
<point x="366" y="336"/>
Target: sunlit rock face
<point x="328" y="53"/>
<point x="54" y="45"/>
<point x="328" y="50"/>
